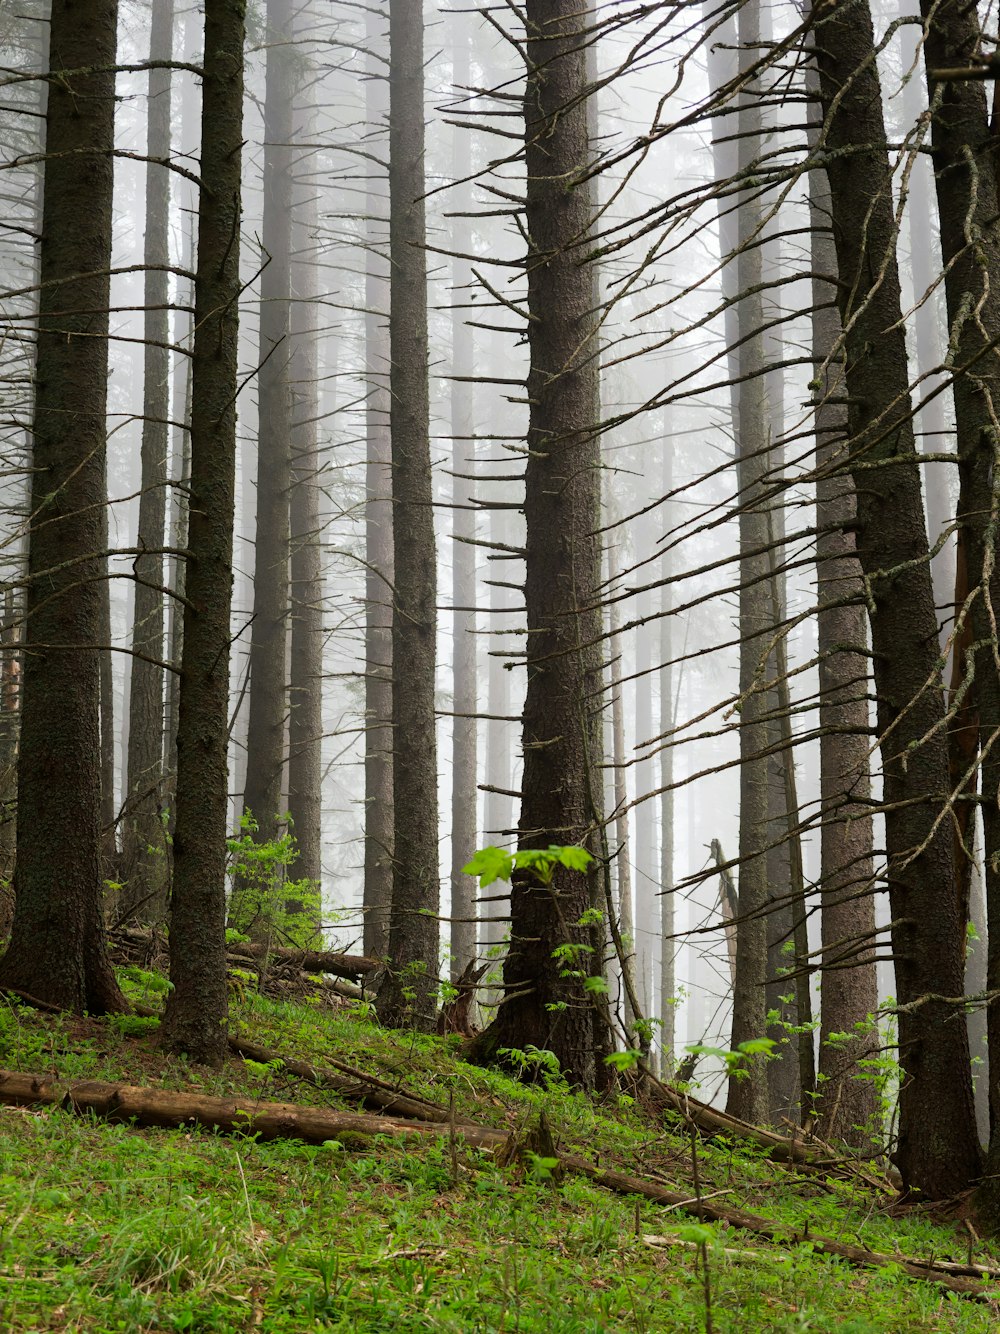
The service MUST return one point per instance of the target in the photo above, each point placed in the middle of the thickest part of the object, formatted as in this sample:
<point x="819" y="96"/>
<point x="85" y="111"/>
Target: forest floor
<point x="106" y="1227"/>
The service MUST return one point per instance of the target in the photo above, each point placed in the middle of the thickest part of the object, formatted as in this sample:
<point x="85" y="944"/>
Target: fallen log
<point x="314" y="961"/>
<point x="811" y="1154"/>
<point x="170" y="1109"/>
<point x="966" y="1279"/>
<point x="359" y="1087"/>
<point x="274" y="1120"/>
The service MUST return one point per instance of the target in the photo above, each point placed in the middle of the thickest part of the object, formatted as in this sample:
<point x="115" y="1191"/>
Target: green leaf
<point x="595" y="985"/>
<point x="757" y="1047"/>
<point x="572" y="857"/>
<point x="623" y="1060"/>
<point x="490" y="864"/>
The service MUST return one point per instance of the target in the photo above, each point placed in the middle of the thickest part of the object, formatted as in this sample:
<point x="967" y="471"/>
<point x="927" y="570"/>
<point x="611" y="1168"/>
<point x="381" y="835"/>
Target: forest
<point x="499" y="667"/>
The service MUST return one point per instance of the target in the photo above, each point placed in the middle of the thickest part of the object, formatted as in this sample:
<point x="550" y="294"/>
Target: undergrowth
<point x="109" y="1228"/>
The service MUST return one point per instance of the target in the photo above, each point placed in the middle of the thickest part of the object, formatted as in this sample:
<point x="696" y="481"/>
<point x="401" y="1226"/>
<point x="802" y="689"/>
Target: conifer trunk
<point x="561" y="787"/>
<point x="937" y="1152"/>
<point x="268" y="706"/>
<point x="143" y="847"/>
<point x="378" y="529"/>
<point x="194" y="1021"/>
<point x="57" y="949"/>
<point x="409" y="994"/>
<point x="305" y="724"/>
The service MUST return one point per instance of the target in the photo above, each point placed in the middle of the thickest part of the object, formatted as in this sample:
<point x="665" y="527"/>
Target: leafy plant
<point x="261" y="890"/>
<point x="493" y="864"/>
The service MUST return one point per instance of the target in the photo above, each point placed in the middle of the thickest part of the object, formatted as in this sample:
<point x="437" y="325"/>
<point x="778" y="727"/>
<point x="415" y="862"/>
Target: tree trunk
<point x="57" y="950"/>
<point x="464" y="793"/>
<point x="196" y="1010"/>
<point x="633" y="977"/>
<point x="378" y="530"/>
<point x="262" y="797"/>
<point x="937" y="1152"/>
<point x="305" y="724"/>
<point x="848" y="1107"/>
<point x="109" y="826"/>
<point x="545" y="1000"/>
<point x="181" y="451"/>
<point x="409" y="994"/>
<point x="963" y="146"/>
<point x="143" y="847"/>
<point x="667" y="722"/>
<point x="748" y="1094"/>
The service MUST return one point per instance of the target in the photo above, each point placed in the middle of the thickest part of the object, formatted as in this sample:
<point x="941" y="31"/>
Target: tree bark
<point x="545" y="1001"/>
<point x="409" y="993"/>
<point x="667" y="722"/>
<point x="197" y="1006"/>
<point x="143" y="845"/>
<point x="378" y="528"/>
<point x="57" y="949"/>
<point x="465" y="729"/>
<point x="937" y="1152"/>
<point x="268" y="700"/>
<point x="963" y="148"/>
<point x="748" y="1094"/>
<point x="305" y="724"/>
<point x="848" y="1107"/>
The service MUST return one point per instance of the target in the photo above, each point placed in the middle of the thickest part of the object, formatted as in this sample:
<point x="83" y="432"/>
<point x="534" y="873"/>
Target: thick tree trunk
<point x="545" y="1001"/>
<point x="305" y="724"/>
<point x="848" y="1106"/>
<point x="143" y="846"/>
<point x="409" y="994"/>
<point x="937" y="1153"/>
<point x="378" y="529"/>
<point x="197" y="1006"/>
<point x="262" y="797"/>
<point x="963" y="145"/>
<point x="57" y="950"/>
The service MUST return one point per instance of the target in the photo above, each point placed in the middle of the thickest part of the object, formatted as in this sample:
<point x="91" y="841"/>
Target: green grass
<point x="108" y="1228"/>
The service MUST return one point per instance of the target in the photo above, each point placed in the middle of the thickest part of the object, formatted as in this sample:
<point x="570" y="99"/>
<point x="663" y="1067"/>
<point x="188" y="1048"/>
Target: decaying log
<point x="169" y="1109"/>
<point x="780" y="1148"/>
<point x="274" y="1120"/>
<point x="308" y="961"/>
<point x="966" y="1279"/>
<point x="359" y="1087"/>
<point x="314" y="961"/>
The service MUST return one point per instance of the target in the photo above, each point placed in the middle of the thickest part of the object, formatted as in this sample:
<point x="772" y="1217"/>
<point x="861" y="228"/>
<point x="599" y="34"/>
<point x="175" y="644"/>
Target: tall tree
<point x="545" y="1003"/>
<point x="305" y="723"/>
<point x="848" y="1105"/>
<point x="143" y="846"/>
<point x="57" y="949"/>
<point x="409" y="992"/>
<point x="465" y="738"/>
<point x="197" y="1006"/>
<point x="748" y="1093"/>
<point x="268" y="704"/>
<point x="937" y="1152"/>
<point x="667" y="722"/>
<point x="963" y="148"/>
<point x="378" y="516"/>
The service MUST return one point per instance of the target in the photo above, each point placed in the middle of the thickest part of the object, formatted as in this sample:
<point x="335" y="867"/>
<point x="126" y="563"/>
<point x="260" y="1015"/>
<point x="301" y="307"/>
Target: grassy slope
<point x="106" y="1228"/>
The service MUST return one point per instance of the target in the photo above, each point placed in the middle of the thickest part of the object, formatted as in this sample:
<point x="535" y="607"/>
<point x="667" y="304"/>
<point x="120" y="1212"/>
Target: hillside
<point x="106" y="1227"/>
